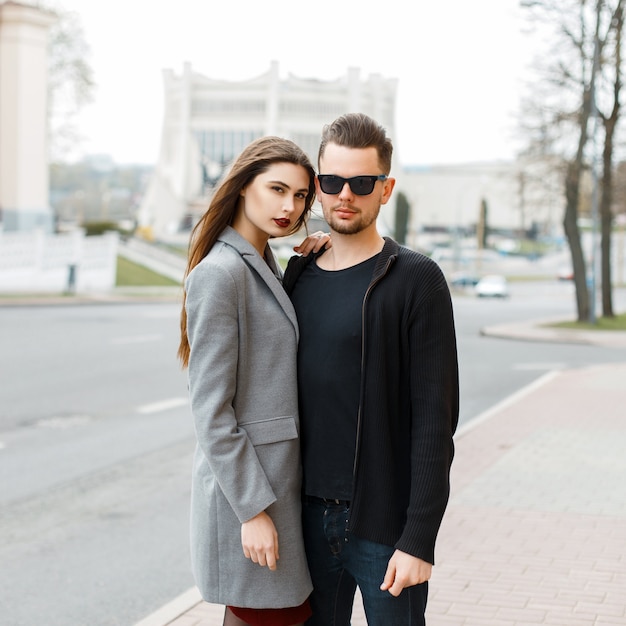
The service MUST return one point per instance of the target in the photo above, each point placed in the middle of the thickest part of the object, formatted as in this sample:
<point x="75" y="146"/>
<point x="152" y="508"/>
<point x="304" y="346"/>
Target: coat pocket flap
<point x="271" y="431"/>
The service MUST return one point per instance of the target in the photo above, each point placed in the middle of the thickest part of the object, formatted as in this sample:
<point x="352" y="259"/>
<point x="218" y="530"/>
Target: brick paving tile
<point x="555" y="562"/>
<point x="472" y="621"/>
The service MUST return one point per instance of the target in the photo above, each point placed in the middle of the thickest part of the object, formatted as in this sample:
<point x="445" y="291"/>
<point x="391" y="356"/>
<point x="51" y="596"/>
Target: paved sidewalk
<point x="535" y="532"/>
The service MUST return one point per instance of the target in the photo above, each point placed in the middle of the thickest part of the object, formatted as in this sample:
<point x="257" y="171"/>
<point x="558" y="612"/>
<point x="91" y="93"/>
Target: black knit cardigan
<point x="409" y="401"/>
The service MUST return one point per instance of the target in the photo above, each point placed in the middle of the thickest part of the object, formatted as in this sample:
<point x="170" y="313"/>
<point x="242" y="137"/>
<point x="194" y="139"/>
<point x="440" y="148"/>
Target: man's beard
<point x="352" y="226"/>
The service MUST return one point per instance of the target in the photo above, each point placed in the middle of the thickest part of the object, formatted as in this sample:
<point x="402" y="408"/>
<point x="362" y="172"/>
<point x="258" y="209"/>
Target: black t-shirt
<point x="329" y="308"/>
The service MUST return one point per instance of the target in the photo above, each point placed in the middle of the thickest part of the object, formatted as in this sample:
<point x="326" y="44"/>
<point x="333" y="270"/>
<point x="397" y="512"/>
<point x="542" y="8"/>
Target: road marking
<point x="539" y="366"/>
<point x="62" y="422"/>
<point x="136" y="339"/>
<point x="2" y="445"/>
<point x="163" y="405"/>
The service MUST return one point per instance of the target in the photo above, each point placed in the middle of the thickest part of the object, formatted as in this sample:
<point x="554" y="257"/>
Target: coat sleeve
<point x="213" y="328"/>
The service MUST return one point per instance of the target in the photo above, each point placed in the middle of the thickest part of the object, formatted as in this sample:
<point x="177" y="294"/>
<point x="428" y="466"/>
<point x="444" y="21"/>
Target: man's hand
<point x="313" y="243"/>
<point x="260" y="540"/>
<point x="405" y="570"/>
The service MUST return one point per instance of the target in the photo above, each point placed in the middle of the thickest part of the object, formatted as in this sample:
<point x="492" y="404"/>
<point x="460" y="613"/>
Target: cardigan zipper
<point x="371" y="286"/>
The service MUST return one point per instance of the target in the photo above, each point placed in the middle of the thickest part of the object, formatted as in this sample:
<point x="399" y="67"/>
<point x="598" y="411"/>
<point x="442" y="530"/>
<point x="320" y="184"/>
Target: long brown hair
<point x="255" y="159"/>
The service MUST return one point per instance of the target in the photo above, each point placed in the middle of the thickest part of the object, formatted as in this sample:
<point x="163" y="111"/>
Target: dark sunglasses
<point x="360" y="185"/>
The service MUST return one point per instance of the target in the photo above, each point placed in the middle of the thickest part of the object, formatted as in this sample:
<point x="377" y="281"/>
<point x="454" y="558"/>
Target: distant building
<point x="208" y="122"/>
<point x="520" y="198"/>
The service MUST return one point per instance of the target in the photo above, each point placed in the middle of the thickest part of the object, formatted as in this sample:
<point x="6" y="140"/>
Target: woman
<point x="239" y="341"/>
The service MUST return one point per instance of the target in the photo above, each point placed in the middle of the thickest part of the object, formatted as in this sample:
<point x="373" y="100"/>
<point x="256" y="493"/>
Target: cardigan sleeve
<point x="434" y="414"/>
<point x="213" y="329"/>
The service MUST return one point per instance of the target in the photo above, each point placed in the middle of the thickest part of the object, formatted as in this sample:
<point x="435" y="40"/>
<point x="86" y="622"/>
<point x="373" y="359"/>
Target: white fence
<point x="37" y="262"/>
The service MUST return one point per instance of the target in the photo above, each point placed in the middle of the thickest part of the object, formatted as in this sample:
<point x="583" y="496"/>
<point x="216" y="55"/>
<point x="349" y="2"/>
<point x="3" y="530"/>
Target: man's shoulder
<point x="414" y="273"/>
<point x="295" y="266"/>
<point x="413" y="258"/>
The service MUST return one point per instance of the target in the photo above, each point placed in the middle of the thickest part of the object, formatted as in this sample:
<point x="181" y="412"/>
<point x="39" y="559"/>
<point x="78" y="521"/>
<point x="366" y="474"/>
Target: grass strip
<point x="130" y="274"/>
<point x="602" y="323"/>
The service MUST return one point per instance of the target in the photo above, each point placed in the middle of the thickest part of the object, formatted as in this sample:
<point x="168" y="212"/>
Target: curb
<point x="538" y="330"/>
<point x="129" y="296"/>
<point x="172" y="610"/>
<point x="505" y="403"/>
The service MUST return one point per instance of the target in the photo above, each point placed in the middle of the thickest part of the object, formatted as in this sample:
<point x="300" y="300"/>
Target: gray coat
<point x="243" y="334"/>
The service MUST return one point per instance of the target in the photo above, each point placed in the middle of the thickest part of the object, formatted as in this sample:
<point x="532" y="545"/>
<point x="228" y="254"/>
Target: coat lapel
<point x="271" y="276"/>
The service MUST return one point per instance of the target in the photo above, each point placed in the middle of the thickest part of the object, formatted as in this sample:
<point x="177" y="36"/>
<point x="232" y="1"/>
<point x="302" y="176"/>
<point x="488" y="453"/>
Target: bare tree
<point x="70" y="80"/>
<point x="572" y="81"/>
<point x="577" y="164"/>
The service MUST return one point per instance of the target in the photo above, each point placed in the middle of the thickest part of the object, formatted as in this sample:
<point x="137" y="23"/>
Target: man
<point x="378" y="385"/>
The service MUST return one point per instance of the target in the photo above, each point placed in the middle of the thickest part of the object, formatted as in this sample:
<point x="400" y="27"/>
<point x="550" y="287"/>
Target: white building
<point x="24" y="181"/>
<point x="519" y="197"/>
<point x="208" y="122"/>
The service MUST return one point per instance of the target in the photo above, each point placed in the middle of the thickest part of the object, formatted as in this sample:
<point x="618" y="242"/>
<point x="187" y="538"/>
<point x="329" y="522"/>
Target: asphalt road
<point x="96" y="442"/>
<point x="95" y="455"/>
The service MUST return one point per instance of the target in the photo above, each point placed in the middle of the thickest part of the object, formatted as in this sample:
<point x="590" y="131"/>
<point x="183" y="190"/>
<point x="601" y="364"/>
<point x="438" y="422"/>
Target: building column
<point x="272" y="102"/>
<point x="24" y="177"/>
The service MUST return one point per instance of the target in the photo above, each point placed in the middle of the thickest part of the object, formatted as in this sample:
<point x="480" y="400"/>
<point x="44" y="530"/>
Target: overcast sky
<point x="458" y="64"/>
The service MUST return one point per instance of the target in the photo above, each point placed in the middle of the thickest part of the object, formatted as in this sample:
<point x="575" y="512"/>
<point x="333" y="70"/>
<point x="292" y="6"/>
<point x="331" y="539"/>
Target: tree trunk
<point x="572" y="232"/>
<point x="606" y="220"/>
<point x="572" y="181"/>
<point x="606" y="217"/>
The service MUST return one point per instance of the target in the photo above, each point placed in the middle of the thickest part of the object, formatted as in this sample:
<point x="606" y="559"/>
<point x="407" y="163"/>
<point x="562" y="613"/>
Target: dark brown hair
<point x="357" y="130"/>
<point x="255" y="159"/>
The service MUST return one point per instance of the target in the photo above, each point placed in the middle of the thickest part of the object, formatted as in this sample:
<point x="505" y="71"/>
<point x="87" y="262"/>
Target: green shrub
<point x="99" y="228"/>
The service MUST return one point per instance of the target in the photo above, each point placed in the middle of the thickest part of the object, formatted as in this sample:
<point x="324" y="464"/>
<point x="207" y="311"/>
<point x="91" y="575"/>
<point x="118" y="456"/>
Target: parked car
<point x="461" y="279"/>
<point x="492" y="286"/>
<point x="565" y="273"/>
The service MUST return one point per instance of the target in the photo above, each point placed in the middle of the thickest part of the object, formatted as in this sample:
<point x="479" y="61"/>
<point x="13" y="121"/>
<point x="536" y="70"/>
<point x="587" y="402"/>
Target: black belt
<point x="328" y="501"/>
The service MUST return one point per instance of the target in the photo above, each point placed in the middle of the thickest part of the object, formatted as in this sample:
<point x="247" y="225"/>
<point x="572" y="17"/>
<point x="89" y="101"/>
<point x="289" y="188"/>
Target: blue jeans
<point x="339" y="561"/>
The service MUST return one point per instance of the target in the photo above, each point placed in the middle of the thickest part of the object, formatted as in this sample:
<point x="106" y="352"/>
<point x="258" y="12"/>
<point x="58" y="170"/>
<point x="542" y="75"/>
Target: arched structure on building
<point x="207" y="122"/>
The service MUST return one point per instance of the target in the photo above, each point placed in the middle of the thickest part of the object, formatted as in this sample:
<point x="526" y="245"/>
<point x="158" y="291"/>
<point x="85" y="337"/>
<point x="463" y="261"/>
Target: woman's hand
<point x="260" y="540"/>
<point x="313" y="243"/>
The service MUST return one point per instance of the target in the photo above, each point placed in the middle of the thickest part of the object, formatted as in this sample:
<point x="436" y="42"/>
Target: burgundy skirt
<point x="274" y="617"/>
